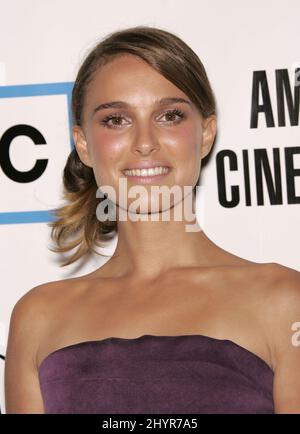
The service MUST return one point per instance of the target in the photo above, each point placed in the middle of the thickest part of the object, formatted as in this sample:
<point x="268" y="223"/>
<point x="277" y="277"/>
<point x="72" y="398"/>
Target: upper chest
<point x="225" y="304"/>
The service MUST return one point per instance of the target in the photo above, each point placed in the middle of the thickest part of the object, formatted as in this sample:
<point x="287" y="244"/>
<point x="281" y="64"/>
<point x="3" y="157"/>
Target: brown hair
<point x="77" y="224"/>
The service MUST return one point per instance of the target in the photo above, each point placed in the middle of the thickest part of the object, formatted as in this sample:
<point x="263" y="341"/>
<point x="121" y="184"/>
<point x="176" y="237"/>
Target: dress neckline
<point x="118" y="339"/>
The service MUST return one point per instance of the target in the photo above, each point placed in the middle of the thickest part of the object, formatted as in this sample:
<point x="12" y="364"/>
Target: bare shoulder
<point x="282" y="309"/>
<point x="50" y="292"/>
<point x="281" y="306"/>
<point x="274" y="291"/>
<point x="268" y="277"/>
<point x="32" y="303"/>
<point x="282" y="286"/>
<point x="30" y="320"/>
<point x="27" y="321"/>
<point x="279" y="271"/>
<point x="31" y="307"/>
<point x="35" y="297"/>
<point x="31" y="314"/>
<point x="279" y="288"/>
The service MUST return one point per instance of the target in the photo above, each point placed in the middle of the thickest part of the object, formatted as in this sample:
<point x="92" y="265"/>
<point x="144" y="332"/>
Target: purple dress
<point x="188" y="374"/>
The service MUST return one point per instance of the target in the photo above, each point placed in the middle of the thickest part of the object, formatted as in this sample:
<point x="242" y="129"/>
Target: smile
<point x="153" y="171"/>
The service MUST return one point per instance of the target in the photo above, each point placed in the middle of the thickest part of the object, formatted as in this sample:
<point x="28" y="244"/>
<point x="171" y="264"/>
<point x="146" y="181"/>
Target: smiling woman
<point x="129" y="63"/>
<point x="171" y="323"/>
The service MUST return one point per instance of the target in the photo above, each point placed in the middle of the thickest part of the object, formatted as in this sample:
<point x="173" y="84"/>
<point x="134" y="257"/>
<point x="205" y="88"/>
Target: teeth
<point x="147" y="172"/>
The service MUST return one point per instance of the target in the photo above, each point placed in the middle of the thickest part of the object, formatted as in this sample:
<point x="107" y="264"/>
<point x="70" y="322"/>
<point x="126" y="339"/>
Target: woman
<point x="171" y="323"/>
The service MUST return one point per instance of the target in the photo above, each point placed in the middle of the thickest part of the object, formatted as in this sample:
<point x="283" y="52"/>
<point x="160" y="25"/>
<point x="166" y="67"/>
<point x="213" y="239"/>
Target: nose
<point x="145" y="140"/>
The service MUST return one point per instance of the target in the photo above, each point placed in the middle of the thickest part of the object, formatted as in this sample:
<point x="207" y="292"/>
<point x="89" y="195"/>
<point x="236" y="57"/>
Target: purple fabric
<point x="190" y="374"/>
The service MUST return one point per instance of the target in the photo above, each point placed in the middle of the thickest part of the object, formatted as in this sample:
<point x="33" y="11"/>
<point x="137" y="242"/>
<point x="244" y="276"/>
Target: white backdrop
<point x="42" y="43"/>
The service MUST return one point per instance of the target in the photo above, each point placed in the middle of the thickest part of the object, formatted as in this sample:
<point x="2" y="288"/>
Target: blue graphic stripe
<point x="26" y="217"/>
<point x="16" y="91"/>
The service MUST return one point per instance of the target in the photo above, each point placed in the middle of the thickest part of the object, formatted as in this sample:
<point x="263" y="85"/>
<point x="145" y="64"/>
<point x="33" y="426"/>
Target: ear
<point x="81" y="145"/>
<point x="209" y="125"/>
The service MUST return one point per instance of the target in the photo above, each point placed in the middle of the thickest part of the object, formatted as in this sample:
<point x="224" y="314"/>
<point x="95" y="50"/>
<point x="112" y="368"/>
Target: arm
<point x="22" y="389"/>
<point x="285" y="340"/>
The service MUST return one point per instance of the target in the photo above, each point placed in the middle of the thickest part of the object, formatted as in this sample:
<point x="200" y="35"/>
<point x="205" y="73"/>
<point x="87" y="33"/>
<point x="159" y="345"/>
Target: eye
<point x="172" y="113"/>
<point x="112" y="117"/>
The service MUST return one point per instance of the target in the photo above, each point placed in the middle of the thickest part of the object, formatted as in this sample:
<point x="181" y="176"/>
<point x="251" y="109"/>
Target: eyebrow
<point x="123" y="104"/>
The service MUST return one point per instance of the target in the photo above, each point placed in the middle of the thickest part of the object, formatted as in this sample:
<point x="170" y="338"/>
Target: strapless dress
<point x="183" y="374"/>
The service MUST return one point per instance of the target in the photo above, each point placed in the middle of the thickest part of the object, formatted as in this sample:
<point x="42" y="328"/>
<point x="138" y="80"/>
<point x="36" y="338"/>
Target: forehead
<point x="129" y="78"/>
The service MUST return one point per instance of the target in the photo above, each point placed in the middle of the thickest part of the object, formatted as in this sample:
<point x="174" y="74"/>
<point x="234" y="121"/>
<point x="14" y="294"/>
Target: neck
<point x="147" y="249"/>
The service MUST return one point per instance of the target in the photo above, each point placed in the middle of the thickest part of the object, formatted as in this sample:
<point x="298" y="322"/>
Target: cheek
<point x="186" y="153"/>
<point x="105" y="144"/>
<point x="105" y="150"/>
<point x="186" y="145"/>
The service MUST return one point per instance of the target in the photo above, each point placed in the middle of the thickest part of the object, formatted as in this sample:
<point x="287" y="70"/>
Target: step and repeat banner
<point x="249" y="200"/>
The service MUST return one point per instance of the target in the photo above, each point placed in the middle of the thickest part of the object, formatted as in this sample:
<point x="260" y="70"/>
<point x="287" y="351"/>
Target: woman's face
<point x="113" y="139"/>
